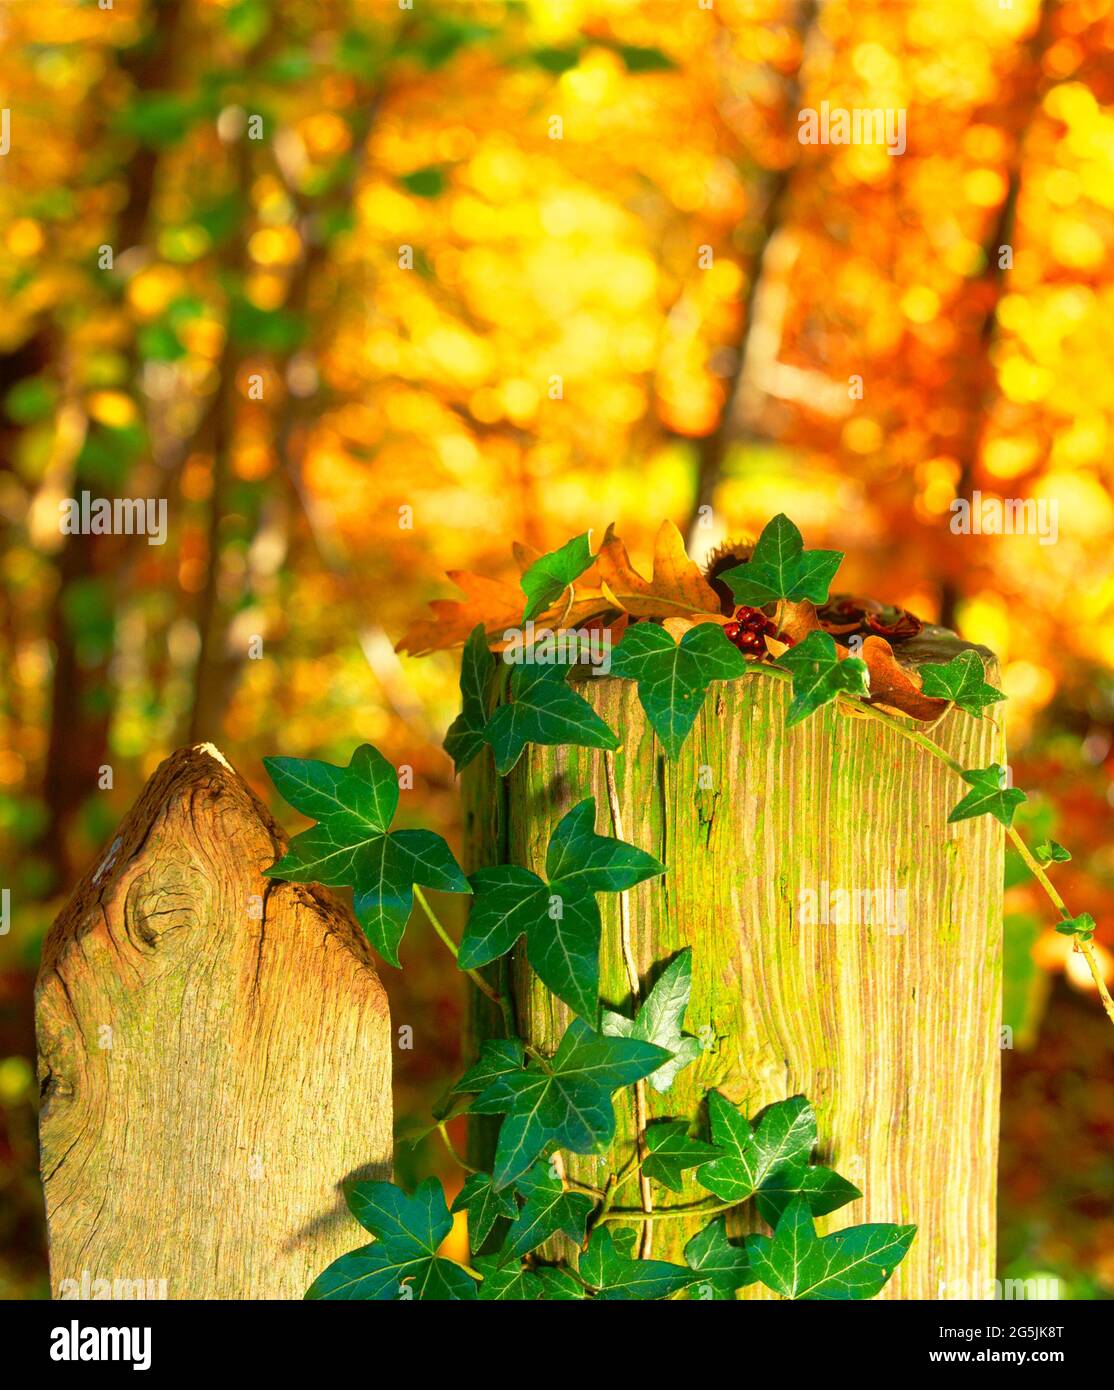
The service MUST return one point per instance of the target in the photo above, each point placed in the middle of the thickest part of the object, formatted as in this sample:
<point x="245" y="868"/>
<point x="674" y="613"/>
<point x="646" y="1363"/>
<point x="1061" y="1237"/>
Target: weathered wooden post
<point x="889" y="1025"/>
<point x="214" y="1057"/>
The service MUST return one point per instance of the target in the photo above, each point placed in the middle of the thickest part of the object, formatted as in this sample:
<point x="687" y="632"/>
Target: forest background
<point x="366" y="291"/>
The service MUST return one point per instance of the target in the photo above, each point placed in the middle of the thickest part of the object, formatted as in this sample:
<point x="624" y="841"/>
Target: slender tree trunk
<point x="82" y="698"/>
<point x="712" y="448"/>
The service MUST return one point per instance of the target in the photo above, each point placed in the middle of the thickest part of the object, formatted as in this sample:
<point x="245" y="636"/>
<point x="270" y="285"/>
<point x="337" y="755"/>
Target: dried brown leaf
<point x="677" y="588"/>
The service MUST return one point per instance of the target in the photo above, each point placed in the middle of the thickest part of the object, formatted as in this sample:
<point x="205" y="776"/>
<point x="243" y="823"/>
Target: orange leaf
<point x="893" y="686"/>
<point x="799" y="619"/>
<point x="493" y="602"/>
<point x="677" y="589"/>
<point x="498" y="605"/>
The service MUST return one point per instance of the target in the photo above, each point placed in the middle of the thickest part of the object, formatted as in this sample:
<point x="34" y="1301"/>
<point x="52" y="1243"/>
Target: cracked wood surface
<point x="893" y="1034"/>
<point x="214" y="1055"/>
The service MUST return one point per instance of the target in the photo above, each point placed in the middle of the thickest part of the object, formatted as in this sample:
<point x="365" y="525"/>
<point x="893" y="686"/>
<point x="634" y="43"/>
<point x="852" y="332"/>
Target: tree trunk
<point x="892" y="1033"/>
<point x="214" y="1057"/>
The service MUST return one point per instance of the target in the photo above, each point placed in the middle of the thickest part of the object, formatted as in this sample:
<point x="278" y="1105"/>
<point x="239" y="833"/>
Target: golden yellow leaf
<point x="677" y="589"/>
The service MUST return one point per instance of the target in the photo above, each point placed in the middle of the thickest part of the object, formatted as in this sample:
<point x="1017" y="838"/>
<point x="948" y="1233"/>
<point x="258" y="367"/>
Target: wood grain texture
<point x="892" y="1033"/>
<point x="214" y="1055"/>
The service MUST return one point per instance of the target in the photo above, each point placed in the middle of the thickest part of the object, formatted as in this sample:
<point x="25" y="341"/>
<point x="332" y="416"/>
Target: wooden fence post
<point x="214" y="1057"/>
<point x="891" y="1029"/>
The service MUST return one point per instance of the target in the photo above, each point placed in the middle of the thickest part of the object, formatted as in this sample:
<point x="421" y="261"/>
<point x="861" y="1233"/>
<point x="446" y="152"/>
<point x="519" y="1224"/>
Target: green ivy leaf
<point x="660" y="1020"/>
<point x="504" y="1283"/>
<point x="550" y="575"/>
<point x="781" y="568"/>
<point x="559" y="1285"/>
<point x="608" y="1267"/>
<point x="819" y="675"/>
<point x="852" y="1264"/>
<point x="560" y="919"/>
<point x="671" y="1151"/>
<point x="673" y="677"/>
<point x="408" y="1230"/>
<point x="564" y="1102"/>
<point x="352" y="845"/>
<point x="989" y="796"/>
<point x="543" y="709"/>
<point x="770" y="1161"/>
<point x="594" y="863"/>
<point x="961" y="680"/>
<point x="1082" y="926"/>
<point x="498" y="1057"/>
<point x="549" y="1208"/>
<point x="484" y="1205"/>
<point x="466" y="734"/>
<point x="1051" y="852"/>
<point x="719" y="1265"/>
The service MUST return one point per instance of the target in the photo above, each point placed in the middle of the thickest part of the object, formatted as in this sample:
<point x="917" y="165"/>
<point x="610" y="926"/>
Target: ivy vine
<point x="676" y="641"/>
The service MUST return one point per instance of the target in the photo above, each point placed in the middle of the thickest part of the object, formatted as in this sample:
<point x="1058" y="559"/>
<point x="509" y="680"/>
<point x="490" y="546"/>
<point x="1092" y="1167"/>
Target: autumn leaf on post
<point x="491" y="603"/>
<point x="678" y="588"/>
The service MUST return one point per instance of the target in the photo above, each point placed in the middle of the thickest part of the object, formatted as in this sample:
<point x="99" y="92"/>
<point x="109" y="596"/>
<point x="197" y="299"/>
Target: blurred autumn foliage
<point x="365" y="291"/>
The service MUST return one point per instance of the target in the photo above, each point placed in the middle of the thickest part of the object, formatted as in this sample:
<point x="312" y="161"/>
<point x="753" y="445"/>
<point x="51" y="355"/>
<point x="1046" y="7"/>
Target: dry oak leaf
<point x="498" y="605"/>
<point x="677" y="627"/>
<point x="493" y="602"/>
<point x="677" y="589"/>
<point x="892" y="686"/>
<point x="611" y="584"/>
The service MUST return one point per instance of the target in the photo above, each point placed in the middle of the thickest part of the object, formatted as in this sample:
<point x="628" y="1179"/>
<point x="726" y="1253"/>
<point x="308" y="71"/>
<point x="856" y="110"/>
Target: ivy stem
<point x="633" y="1166"/>
<point x="1085" y="948"/>
<point x="596" y="1192"/>
<point x="444" y="1133"/>
<point x="608" y="1199"/>
<point x="640" y="1108"/>
<point x="665" y="1213"/>
<point x="474" y="975"/>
